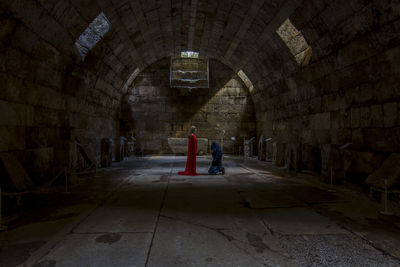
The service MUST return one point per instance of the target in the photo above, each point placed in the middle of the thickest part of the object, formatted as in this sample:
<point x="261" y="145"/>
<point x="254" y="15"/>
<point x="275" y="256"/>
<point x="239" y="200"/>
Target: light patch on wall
<point x="130" y="80"/>
<point x="246" y="80"/>
<point x="296" y="42"/>
<point x="92" y="35"/>
<point x="189" y="73"/>
<point x="190" y="54"/>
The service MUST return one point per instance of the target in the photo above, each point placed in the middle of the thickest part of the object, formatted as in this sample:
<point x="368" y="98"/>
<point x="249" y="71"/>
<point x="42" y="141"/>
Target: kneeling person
<point x="216" y="164"/>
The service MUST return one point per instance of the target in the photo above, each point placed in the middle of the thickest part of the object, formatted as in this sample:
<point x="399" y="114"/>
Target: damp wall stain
<point x="109" y="238"/>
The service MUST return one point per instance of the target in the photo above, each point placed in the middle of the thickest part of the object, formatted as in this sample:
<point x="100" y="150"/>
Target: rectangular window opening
<point x="296" y="42"/>
<point x="189" y="54"/>
<point x="92" y="35"/>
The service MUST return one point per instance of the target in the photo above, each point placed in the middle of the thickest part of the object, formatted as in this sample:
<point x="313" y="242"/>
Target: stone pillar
<point x="73" y="161"/>
<point x="248" y="147"/>
<point x="268" y="149"/>
<point x="119" y="149"/>
<point x="66" y="157"/>
<point x="129" y="146"/>
<point x="278" y="153"/>
<point x="292" y="157"/>
<point x="106" y="152"/>
<point x="261" y="149"/>
<point x="326" y="163"/>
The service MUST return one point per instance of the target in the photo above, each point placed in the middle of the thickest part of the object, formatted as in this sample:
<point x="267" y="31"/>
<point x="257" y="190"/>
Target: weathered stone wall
<point x="350" y="91"/>
<point x="47" y="96"/>
<point x="347" y="93"/>
<point x="156" y="112"/>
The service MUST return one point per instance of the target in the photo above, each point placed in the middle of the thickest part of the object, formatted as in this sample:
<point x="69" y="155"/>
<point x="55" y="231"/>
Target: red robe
<point x="191" y="157"/>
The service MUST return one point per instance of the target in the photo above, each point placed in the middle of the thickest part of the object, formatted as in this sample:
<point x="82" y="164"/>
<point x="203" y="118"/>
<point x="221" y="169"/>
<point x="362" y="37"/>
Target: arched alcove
<point x="153" y="111"/>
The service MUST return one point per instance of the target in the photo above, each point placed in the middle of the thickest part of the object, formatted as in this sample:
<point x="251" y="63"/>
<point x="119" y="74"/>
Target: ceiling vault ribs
<point x="209" y="21"/>
<point x="165" y="20"/>
<point x="151" y="11"/>
<point x="223" y="11"/>
<point x="112" y="16"/>
<point x="254" y="8"/>
<point x="185" y="24"/>
<point x="176" y="14"/>
<point x="193" y="12"/>
<point x="225" y="30"/>
<point x="143" y="27"/>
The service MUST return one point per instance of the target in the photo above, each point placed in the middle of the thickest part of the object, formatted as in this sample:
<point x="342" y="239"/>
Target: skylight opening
<point x="92" y="35"/>
<point x="296" y="42"/>
<point x="246" y="80"/>
<point x="189" y="54"/>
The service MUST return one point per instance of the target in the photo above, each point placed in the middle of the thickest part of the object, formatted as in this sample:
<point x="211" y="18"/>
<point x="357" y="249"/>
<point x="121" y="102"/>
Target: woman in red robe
<point x="191" y="155"/>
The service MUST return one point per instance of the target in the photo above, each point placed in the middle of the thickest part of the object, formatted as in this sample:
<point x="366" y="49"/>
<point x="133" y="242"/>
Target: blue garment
<point x="216" y="169"/>
<point x="217" y="154"/>
<point x="216" y="164"/>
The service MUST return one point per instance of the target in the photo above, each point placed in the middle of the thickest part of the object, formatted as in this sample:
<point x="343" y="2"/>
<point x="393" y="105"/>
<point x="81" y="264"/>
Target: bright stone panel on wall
<point x="296" y="42"/>
<point x="189" y="73"/>
<point x="92" y="35"/>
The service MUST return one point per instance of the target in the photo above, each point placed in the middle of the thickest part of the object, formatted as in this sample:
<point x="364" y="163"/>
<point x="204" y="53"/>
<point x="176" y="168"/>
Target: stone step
<point x="181" y="74"/>
<point x="189" y="64"/>
<point x="189" y="83"/>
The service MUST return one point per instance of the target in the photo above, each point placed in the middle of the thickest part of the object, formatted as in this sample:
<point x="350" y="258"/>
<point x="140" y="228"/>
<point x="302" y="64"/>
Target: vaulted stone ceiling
<point x="352" y="75"/>
<point x="239" y="33"/>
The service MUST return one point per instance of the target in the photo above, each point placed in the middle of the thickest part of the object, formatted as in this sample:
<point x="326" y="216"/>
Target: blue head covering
<point x="215" y="146"/>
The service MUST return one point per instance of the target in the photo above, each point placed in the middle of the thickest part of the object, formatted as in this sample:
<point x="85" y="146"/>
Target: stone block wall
<point x="179" y="146"/>
<point x="47" y="96"/>
<point x="156" y="112"/>
<point x="349" y="92"/>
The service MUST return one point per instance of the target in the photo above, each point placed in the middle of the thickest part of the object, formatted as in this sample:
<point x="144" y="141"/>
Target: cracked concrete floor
<point x="141" y="213"/>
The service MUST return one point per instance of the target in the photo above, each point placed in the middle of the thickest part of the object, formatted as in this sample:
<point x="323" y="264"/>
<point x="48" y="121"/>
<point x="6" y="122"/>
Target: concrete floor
<point x="141" y="213"/>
